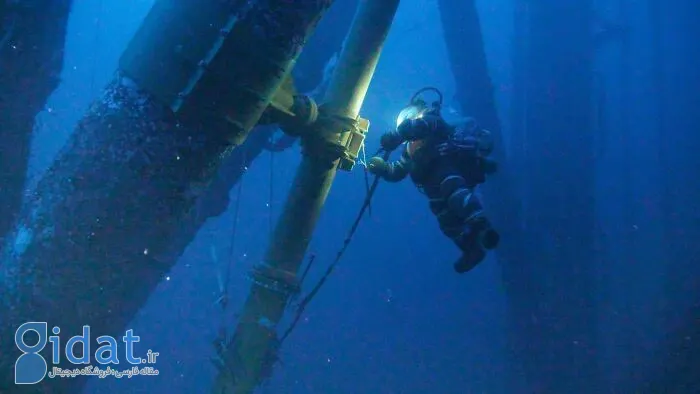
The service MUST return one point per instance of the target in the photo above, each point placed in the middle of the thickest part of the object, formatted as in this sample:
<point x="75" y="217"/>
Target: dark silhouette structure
<point x="552" y="288"/>
<point x="677" y="77"/>
<point x="308" y="75"/>
<point x="137" y="162"/>
<point x="31" y="57"/>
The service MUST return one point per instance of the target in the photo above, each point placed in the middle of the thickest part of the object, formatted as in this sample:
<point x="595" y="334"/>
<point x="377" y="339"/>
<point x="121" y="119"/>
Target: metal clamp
<point x="275" y="279"/>
<point x="353" y="141"/>
<point x="349" y="136"/>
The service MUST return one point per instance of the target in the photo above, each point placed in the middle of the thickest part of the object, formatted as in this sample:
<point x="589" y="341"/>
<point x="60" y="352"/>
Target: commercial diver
<point x="446" y="162"/>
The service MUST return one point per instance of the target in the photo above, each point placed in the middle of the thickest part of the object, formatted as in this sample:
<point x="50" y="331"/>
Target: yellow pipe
<point x="249" y="355"/>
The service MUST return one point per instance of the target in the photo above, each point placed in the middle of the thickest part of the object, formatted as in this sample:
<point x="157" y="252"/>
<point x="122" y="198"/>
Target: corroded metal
<point x="217" y="56"/>
<point x="83" y="249"/>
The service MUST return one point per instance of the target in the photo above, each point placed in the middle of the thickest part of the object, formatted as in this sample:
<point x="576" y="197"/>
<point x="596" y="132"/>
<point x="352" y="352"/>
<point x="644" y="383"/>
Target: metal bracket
<point x="299" y="115"/>
<point x="295" y="113"/>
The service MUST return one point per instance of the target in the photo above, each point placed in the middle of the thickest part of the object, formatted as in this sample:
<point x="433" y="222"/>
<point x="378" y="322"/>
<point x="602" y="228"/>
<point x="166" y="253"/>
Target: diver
<point x="446" y="163"/>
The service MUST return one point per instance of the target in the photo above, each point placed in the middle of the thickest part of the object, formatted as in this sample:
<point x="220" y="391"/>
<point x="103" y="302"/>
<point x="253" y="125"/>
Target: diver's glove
<point x="391" y="140"/>
<point x="377" y="166"/>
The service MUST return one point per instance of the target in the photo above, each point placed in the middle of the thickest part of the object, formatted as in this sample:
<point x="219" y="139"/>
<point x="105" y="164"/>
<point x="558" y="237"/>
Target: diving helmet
<point x="418" y="107"/>
<point x="414" y="111"/>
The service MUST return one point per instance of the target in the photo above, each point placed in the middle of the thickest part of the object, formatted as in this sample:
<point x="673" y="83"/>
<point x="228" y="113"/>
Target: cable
<point x="306" y="300"/>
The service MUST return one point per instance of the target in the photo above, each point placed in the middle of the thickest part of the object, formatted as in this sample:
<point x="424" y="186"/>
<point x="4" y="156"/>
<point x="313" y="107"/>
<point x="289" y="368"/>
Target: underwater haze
<point x="593" y="288"/>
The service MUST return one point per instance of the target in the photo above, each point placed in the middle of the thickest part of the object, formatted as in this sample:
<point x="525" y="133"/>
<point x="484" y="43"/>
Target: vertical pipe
<point x="254" y="342"/>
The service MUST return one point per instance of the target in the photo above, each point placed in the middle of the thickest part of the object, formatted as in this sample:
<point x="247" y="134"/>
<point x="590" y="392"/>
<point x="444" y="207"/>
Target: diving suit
<point x="446" y="163"/>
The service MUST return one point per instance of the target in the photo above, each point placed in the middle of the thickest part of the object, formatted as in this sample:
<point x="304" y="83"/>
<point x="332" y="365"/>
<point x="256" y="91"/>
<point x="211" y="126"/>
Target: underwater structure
<point x="171" y="126"/>
<point x="308" y="74"/>
<point x="552" y="288"/>
<point x="331" y="142"/>
<point x="676" y="64"/>
<point x="331" y="136"/>
<point x="475" y="95"/>
<point x="138" y="160"/>
<point x="32" y="37"/>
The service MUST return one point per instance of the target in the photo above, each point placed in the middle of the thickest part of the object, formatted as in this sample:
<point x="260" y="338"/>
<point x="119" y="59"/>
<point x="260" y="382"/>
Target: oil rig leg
<point x="195" y="79"/>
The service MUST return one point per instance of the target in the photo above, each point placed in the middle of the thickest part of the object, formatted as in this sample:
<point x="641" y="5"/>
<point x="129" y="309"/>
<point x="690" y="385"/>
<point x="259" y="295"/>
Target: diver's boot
<point x="477" y="236"/>
<point x="489" y="238"/>
<point x="470" y="259"/>
<point x="480" y="228"/>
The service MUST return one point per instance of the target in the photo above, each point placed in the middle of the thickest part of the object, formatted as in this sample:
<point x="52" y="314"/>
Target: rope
<point x="224" y="285"/>
<point x="280" y="144"/>
<point x="272" y="193"/>
<point x="363" y="161"/>
<point x="234" y="230"/>
<point x="306" y="300"/>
